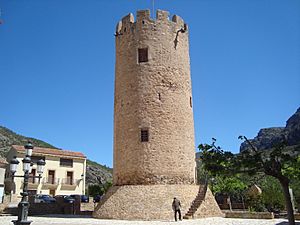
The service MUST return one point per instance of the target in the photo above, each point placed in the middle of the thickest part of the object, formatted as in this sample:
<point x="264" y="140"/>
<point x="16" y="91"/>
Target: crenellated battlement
<point x="143" y="17"/>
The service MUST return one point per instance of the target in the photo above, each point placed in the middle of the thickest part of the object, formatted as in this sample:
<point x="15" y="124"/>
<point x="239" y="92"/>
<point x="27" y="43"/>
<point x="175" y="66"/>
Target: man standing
<point x="176" y="208"/>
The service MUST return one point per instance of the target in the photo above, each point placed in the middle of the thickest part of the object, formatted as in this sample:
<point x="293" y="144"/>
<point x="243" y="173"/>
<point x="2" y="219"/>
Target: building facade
<point x="64" y="172"/>
<point x="3" y="165"/>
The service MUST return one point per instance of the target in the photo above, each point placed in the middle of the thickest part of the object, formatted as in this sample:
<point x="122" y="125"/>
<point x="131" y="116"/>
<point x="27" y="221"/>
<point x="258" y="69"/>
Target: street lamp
<point x="13" y="165"/>
<point x="40" y="167"/>
<point x="26" y="164"/>
<point x="30" y="169"/>
<point x="28" y="149"/>
<point x="23" y="205"/>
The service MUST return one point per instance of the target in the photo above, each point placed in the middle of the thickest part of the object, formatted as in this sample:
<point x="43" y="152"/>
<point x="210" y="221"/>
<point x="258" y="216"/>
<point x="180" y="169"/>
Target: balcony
<point x="33" y="183"/>
<point x="50" y="182"/>
<point x="68" y="183"/>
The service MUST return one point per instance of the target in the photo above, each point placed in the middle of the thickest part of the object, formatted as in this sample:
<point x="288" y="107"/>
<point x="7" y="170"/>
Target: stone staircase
<point x="197" y="202"/>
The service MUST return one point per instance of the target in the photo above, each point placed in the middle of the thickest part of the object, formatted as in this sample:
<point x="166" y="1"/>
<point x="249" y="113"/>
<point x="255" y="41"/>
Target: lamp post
<point x="23" y="205"/>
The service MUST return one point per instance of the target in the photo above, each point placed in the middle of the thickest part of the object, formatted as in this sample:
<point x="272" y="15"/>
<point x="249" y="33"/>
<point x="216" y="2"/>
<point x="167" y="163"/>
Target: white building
<point x="3" y="165"/>
<point x="64" y="172"/>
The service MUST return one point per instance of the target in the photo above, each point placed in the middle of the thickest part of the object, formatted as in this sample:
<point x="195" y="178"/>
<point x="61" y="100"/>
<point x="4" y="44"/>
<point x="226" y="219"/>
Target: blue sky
<point x="57" y="68"/>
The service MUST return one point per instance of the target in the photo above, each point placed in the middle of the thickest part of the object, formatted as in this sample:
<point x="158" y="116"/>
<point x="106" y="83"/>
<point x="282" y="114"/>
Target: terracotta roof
<point x="51" y="151"/>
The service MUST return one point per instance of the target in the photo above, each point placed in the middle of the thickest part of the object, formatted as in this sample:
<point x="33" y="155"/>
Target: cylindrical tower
<point x="154" y="156"/>
<point x="153" y="116"/>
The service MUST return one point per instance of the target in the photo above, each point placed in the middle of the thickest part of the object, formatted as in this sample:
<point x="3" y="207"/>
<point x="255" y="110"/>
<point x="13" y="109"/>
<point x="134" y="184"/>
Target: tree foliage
<point x="99" y="189"/>
<point x="228" y="185"/>
<point x="279" y="162"/>
<point x="272" y="195"/>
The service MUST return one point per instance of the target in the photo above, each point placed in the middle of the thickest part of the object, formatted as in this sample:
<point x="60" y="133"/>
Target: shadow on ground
<point x="286" y="223"/>
<point x="63" y="216"/>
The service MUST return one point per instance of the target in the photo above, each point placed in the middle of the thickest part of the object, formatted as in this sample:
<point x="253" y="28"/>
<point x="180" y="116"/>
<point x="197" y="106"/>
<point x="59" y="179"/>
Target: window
<point x="144" y="135"/>
<point x="51" y="176"/>
<point x="143" y="55"/>
<point x="66" y="162"/>
<point x="31" y="179"/>
<point x="69" y="178"/>
<point x="191" y="104"/>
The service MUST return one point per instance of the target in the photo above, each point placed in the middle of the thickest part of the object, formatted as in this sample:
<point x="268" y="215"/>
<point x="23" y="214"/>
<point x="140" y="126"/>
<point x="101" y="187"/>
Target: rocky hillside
<point x="95" y="173"/>
<point x="268" y="136"/>
<point x="8" y="138"/>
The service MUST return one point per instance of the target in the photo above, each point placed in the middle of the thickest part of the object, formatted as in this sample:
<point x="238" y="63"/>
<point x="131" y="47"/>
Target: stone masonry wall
<point x="151" y="202"/>
<point x="155" y="95"/>
<point x="209" y="207"/>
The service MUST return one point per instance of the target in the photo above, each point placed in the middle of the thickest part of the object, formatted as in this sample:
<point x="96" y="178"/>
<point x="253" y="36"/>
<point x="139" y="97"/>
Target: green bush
<point x="272" y="194"/>
<point x="98" y="189"/>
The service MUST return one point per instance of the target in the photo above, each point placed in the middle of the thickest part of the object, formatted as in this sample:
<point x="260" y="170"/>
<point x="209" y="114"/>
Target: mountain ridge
<point x="95" y="172"/>
<point x="267" y="137"/>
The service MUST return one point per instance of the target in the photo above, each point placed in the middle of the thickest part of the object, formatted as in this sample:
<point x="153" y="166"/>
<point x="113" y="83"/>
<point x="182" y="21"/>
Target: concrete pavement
<point x="59" y="220"/>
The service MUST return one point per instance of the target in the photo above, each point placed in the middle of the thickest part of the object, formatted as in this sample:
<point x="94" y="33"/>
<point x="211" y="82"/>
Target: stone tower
<point x="153" y="118"/>
<point x="154" y="152"/>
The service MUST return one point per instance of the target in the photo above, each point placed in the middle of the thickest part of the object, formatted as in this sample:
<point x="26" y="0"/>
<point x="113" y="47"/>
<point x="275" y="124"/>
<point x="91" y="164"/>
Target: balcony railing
<point x="69" y="181"/>
<point x="33" y="183"/>
<point x="50" y="181"/>
<point x="33" y="180"/>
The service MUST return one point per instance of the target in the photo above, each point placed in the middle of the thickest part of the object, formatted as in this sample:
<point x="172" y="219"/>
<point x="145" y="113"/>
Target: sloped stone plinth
<point x="152" y="202"/>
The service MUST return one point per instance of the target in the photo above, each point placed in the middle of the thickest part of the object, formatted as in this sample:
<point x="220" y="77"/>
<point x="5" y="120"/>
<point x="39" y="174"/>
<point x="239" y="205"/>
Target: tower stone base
<point x="153" y="202"/>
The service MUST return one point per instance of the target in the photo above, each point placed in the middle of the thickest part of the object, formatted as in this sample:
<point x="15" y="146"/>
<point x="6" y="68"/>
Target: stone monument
<point x="154" y="150"/>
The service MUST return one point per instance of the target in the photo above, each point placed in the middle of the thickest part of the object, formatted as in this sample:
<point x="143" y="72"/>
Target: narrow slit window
<point x="144" y="135"/>
<point x="191" y="104"/>
<point x="143" y="55"/>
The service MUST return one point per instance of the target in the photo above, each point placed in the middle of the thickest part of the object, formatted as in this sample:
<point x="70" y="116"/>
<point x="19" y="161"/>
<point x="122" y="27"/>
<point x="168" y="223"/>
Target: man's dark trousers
<point x="175" y="214"/>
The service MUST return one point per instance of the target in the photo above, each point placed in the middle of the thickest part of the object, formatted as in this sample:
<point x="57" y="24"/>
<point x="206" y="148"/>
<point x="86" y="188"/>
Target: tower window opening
<point x="159" y="96"/>
<point x="144" y="135"/>
<point x="191" y="104"/>
<point x="143" y="55"/>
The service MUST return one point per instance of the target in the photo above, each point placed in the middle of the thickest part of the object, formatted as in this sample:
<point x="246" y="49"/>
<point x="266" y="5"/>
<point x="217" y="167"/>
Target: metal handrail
<point x="50" y="180"/>
<point x="69" y="181"/>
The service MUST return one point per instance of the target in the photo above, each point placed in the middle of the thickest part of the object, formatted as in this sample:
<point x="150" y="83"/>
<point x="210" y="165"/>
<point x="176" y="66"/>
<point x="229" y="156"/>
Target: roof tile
<point x="51" y="151"/>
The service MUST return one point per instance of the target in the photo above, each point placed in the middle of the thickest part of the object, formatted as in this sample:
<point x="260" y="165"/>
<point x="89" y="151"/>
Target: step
<point x="6" y="214"/>
<point x="187" y="217"/>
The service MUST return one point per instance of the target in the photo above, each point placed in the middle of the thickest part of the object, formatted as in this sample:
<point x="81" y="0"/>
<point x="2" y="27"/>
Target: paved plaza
<point x="58" y="220"/>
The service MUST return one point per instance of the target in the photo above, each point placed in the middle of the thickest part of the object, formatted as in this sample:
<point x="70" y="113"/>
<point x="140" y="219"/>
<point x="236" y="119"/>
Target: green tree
<point x="229" y="186"/>
<point x="272" y="195"/>
<point x="277" y="163"/>
<point x="99" y="189"/>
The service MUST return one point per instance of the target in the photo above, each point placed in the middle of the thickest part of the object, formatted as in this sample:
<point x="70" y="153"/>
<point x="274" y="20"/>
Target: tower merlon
<point x="128" y="19"/>
<point x="177" y="19"/>
<point x="144" y="15"/>
<point x="162" y="15"/>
